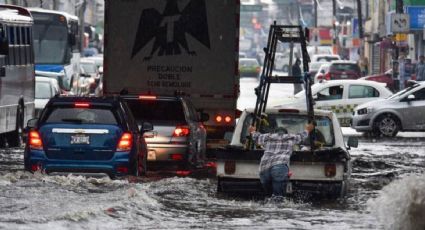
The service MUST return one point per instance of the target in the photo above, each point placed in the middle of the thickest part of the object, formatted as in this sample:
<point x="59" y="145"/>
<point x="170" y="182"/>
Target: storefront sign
<point x="417" y="17"/>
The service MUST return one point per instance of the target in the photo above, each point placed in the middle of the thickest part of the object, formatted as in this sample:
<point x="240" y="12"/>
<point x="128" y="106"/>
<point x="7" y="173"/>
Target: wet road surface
<point x="380" y="168"/>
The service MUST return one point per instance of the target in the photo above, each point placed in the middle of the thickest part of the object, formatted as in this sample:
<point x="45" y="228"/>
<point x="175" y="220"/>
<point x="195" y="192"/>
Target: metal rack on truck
<point x="285" y="34"/>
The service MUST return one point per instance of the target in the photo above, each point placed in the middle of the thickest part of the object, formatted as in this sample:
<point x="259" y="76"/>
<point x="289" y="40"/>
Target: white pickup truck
<point x="326" y="170"/>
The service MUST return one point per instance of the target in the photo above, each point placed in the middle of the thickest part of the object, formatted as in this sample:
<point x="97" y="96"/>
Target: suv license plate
<point x="344" y="76"/>
<point x="80" y="139"/>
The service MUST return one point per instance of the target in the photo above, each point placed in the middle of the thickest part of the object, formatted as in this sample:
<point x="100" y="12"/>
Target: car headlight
<point x="364" y="111"/>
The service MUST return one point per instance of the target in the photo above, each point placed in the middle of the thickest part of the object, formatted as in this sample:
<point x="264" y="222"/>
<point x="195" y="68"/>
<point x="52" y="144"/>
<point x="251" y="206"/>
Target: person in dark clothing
<point x="296" y="72"/>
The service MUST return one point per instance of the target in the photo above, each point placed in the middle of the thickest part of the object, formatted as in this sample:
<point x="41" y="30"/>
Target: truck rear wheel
<point x="15" y="138"/>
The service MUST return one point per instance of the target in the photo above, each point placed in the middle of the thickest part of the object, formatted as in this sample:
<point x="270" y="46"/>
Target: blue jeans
<point x="274" y="179"/>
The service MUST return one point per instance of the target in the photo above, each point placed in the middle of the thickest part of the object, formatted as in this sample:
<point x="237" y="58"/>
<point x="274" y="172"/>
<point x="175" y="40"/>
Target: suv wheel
<point x="141" y="166"/>
<point x="388" y="125"/>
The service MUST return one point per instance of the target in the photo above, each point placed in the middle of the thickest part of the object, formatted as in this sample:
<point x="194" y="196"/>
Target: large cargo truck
<point x="169" y="47"/>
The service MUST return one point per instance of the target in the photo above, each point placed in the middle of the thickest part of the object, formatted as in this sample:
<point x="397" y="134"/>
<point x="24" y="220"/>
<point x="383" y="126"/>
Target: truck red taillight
<point x="125" y="143"/>
<point x="330" y="170"/>
<point x="147" y="97"/>
<point x="181" y="131"/>
<point x="34" y="140"/>
<point x="328" y="76"/>
<point x="226" y="119"/>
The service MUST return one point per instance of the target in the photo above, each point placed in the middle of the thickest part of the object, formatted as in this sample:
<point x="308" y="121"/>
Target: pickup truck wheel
<point x="219" y="189"/>
<point x="388" y="125"/>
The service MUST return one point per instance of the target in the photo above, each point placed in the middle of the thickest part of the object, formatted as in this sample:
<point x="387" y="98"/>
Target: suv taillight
<point x="181" y="131"/>
<point x="34" y="140"/>
<point x="125" y="143"/>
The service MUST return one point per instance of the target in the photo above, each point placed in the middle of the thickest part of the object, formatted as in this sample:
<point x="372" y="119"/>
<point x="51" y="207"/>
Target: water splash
<point x="401" y="204"/>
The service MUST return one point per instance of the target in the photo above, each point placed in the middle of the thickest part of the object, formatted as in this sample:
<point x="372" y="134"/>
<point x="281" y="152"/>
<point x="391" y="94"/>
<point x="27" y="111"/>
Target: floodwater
<point x="387" y="192"/>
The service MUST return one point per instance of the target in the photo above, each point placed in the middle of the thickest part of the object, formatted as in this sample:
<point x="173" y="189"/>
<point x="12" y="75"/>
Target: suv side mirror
<point x="146" y="126"/>
<point x="353" y="142"/>
<point x="32" y="123"/>
<point x="204" y="117"/>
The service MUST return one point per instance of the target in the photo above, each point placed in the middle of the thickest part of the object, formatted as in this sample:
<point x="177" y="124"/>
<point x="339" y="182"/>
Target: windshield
<point x="50" y="40"/>
<point x="403" y="91"/>
<point x="89" y="67"/>
<point x="43" y="90"/>
<point x="248" y="62"/>
<point x="316" y="65"/>
<point x="157" y="111"/>
<point x="293" y="124"/>
<point x="82" y="116"/>
<point x="345" y="67"/>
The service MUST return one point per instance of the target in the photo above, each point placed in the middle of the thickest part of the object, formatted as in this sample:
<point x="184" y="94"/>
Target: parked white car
<point x="339" y="96"/>
<point x="45" y="88"/>
<point x="325" y="58"/>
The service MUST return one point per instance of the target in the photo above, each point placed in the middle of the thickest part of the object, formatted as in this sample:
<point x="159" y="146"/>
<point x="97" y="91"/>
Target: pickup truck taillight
<point x="181" y="131"/>
<point x="330" y="170"/>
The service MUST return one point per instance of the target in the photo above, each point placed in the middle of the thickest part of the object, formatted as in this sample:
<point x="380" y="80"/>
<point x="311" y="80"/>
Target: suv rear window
<point x="157" y="110"/>
<point x="81" y="116"/>
<point x="345" y="67"/>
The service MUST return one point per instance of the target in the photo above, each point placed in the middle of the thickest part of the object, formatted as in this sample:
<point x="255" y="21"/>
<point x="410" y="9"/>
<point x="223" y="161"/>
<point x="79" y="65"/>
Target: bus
<point x="56" y="44"/>
<point x="17" y="81"/>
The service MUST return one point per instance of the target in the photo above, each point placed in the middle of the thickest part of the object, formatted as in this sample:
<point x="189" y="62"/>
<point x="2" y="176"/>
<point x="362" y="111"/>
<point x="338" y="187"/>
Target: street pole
<point x="360" y="18"/>
<point x="334" y="26"/>
<point x="315" y="13"/>
<point x="395" y="64"/>
<point x="82" y="10"/>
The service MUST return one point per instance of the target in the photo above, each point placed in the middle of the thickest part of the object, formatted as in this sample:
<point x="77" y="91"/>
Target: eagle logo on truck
<point x="169" y="29"/>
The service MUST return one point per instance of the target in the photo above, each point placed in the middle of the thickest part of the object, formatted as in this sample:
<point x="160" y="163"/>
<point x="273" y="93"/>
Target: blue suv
<point x="86" y="135"/>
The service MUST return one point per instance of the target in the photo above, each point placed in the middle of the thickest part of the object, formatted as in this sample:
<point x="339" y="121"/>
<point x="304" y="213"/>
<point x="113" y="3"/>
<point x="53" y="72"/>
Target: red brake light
<point x="81" y="105"/>
<point x="181" y="131"/>
<point x="125" y="143"/>
<point x="227" y="119"/>
<point x="330" y="170"/>
<point x="122" y="169"/>
<point x="176" y="157"/>
<point x="328" y="76"/>
<point x="218" y="118"/>
<point x="35" y="141"/>
<point x="147" y="97"/>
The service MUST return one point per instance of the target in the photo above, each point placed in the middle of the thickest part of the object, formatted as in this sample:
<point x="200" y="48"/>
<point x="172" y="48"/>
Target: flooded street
<point x="387" y="192"/>
<point x="36" y="201"/>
